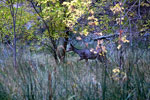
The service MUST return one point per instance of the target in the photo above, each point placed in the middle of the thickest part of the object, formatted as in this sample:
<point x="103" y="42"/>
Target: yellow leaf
<point x="119" y="46"/>
<point x="104" y="49"/>
<point x="91" y="50"/>
<point x="54" y="1"/>
<point x="95" y="52"/>
<point x="116" y="70"/>
<point x="78" y="38"/>
<point x="124" y="40"/>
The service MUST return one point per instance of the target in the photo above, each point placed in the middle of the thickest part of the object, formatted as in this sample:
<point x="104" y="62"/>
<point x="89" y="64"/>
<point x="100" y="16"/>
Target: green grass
<point x="38" y="77"/>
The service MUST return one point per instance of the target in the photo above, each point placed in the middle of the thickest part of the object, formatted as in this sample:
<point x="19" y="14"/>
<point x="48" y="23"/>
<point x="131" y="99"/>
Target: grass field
<point x="39" y="78"/>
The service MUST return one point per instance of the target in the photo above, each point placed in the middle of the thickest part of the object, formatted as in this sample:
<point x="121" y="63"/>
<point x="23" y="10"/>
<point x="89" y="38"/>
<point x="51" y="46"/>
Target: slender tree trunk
<point x="13" y="14"/>
<point x="130" y="33"/>
<point x="15" y="58"/>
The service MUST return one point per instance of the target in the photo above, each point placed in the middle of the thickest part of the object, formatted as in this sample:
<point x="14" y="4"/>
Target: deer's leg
<point x="80" y="59"/>
<point x="86" y="60"/>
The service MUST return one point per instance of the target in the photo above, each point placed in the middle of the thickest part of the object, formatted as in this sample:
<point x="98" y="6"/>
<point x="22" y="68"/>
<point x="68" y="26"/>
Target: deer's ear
<point x="71" y="45"/>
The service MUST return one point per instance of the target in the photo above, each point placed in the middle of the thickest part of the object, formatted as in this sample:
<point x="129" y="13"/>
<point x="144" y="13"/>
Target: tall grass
<point x="39" y="78"/>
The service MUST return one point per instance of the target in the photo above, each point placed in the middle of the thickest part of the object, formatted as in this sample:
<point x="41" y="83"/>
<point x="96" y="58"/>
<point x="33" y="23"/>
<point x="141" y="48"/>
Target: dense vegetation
<point x="35" y="36"/>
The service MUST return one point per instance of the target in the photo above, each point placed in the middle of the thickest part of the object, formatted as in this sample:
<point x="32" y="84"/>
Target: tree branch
<point x="106" y="37"/>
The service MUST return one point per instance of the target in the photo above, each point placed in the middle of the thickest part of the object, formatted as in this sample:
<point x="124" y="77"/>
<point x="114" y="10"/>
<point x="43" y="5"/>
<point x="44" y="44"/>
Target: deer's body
<point x="86" y="53"/>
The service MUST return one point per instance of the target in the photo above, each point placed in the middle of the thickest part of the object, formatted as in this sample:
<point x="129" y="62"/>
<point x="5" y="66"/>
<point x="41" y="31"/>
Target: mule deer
<point x="88" y="54"/>
<point x="61" y="53"/>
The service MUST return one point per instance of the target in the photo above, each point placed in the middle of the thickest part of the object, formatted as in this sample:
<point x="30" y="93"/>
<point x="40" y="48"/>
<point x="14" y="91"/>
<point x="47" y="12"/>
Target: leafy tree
<point x="13" y="22"/>
<point x="56" y="15"/>
<point x="55" y="18"/>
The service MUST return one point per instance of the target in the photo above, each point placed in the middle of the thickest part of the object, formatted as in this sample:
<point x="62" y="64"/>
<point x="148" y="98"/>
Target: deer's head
<point x="71" y="48"/>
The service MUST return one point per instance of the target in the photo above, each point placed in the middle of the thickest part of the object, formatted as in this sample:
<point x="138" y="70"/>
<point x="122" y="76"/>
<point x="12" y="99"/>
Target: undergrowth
<point x="37" y="77"/>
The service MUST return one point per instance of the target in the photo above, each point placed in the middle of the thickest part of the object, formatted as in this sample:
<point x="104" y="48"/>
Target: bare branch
<point x="148" y="1"/>
<point x="139" y="9"/>
<point x="131" y="8"/>
<point x="106" y="37"/>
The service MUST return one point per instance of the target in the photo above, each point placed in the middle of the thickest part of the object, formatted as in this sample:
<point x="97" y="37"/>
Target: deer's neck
<point x="76" y="50"/>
